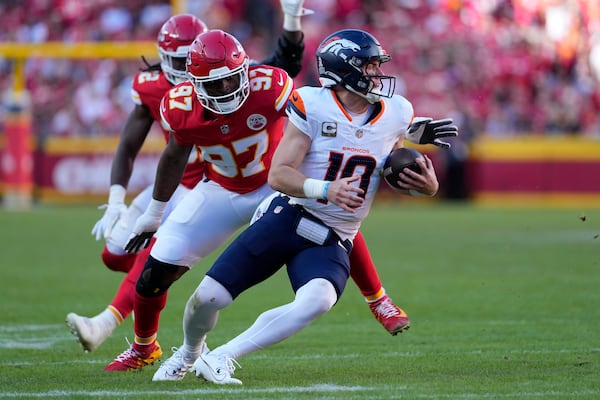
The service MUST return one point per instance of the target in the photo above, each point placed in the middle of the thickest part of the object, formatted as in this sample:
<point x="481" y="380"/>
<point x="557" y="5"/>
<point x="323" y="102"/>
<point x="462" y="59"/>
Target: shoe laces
<point x="178" y="355"/>
<point x="129" y="353"/>
<point x="229" y="362"/>
<point x="387" y="309"/>
<point x="126" y="355"/>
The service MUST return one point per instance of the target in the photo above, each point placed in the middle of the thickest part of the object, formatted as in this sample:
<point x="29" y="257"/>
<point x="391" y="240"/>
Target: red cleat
<point x="392" y="317"/>
<point x="132" y="359"/>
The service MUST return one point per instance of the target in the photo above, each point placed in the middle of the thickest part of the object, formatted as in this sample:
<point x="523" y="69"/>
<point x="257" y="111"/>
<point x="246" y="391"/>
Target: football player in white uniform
<point x="327" y="168"/>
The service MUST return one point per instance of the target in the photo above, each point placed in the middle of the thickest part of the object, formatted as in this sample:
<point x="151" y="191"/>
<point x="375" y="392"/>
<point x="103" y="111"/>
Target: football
<point x="398" y="160"/>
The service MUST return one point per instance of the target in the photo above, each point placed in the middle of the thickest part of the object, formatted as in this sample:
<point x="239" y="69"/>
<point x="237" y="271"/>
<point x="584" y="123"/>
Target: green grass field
<point x="504" y="304"/>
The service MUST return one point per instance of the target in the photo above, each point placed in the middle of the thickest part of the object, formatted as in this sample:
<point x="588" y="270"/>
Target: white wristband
<point x="156" y="208"/>
<point x="116" y="194"/>
<point x="315" y="188"/>
<point x="291" y="23"/>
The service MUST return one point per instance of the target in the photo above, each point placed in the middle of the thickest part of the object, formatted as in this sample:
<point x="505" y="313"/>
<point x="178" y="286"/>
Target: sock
<point x="363" y="271"/>
<point x="110" y="318"/>
<point x="147" y="315"/>
<point x="123" y="300"/>
<point x="117" y="262"/>
<point x="376" y="297"/>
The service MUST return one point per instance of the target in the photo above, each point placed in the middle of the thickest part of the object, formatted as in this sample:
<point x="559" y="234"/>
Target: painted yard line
<point x="7" y="363"/>
<point x="321" y="388"/>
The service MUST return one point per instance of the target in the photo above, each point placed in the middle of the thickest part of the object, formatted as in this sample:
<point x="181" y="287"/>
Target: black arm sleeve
<point x="287" y="56"/>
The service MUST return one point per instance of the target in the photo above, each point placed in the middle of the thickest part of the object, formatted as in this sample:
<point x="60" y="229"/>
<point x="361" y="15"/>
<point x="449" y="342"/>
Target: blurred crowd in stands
<point x="501" y="67"/>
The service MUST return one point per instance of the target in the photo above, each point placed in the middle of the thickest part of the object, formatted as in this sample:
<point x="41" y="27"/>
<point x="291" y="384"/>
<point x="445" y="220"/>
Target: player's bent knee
<point x="210" y="294"/>
<point x="157" y="277"/>
<point x="317" y="296"/>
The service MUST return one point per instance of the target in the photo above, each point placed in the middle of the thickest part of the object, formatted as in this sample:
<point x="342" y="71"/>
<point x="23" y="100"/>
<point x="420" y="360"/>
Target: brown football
<point x="398" y="160"/>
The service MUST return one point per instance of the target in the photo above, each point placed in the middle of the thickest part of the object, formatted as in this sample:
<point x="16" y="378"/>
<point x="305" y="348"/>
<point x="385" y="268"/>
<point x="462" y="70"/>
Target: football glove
<point x="427" y="131"/>
<point x="294" y="8"/>
<point x="146" y="226"/>
<point x="115" y="210"/>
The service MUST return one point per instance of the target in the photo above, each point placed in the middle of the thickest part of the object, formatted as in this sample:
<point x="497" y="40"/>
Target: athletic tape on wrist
<point x="116" y="194"/>
<point x="315" y="188"/>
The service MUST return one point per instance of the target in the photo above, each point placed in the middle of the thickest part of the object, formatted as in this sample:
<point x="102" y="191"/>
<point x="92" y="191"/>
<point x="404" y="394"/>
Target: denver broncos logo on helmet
<point x="336" y="44"/>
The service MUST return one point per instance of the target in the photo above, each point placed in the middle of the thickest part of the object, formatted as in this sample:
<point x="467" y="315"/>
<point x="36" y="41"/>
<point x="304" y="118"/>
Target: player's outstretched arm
<point x="290" y="45"/>
<point x="132" y="138"/>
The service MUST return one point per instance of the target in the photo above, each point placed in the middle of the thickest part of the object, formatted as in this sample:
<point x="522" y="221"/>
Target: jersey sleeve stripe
<point x="292" y="108"/>
<point x="285" y="94"/>
<point x="135" y="96"/>
<point x="163" y="122"/>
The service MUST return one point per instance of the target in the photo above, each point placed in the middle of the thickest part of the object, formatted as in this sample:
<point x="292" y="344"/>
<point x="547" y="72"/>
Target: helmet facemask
<point x="370" y="87"/>
<point x="174" y="39"/>
<point x="225" y="103"/>
<point x="172" y="64"/>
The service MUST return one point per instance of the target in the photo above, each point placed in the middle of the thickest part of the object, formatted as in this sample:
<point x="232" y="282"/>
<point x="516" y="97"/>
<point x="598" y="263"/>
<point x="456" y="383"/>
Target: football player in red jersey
<point x="148" y="88"/>
<point x="234" y="114"/>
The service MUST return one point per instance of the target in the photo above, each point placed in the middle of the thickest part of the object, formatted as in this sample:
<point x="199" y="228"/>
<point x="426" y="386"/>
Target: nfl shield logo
<point x="224" y="129"/>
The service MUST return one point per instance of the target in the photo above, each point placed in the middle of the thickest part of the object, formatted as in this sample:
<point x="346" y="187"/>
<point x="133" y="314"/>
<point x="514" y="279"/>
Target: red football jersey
<point x="237" y="147"/>
<point x="148" y="88"/>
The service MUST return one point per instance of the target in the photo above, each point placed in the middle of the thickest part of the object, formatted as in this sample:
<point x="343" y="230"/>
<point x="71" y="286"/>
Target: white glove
<point x="146" y="226"/>
<point x="115" y="211"/>
<point x="294" y="8"/>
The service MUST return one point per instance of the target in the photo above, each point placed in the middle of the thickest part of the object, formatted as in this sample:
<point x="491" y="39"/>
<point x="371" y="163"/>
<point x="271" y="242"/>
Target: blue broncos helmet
<point x="340" y="60"/>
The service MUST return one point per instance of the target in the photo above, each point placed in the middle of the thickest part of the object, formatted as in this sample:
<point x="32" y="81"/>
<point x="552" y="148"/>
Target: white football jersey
<point x="342" y="147"/>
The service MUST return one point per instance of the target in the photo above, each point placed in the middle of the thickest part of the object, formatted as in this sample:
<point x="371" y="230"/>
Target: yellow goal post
<point x="19" y="52"/>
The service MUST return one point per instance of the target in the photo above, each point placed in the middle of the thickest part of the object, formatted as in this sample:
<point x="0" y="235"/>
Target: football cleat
<point x="216" y="369"/>
<point x="175" y="367"/>
<point x="392" y="317"/>
<point x="89" y="332"/>
<point x="132" y="359"/>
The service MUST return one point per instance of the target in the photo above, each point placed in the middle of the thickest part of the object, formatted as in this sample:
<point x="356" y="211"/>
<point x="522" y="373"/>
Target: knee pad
<point x="117" y="262"/>
<point x="157" y="277"/>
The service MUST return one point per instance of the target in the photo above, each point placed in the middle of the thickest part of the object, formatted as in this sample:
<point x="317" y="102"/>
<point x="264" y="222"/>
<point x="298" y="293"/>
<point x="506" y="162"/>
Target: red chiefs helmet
<point x="217" y="65"/>
<point x="174" y="39"/>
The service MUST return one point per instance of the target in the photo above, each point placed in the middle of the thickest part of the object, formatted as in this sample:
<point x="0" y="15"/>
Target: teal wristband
<point x="325" y="188"/>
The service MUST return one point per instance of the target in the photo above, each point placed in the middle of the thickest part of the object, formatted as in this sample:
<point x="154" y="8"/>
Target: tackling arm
<point x="289" y="52"/>
<point x="132" y="138"/>
<point x="168" y="175"/>
<point x="170" y="169"/>
<point x="290" y="45"/>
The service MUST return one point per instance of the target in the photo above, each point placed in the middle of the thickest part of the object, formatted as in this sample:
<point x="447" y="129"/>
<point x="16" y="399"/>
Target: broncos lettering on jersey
<point x="237" y="147"/>
<point x="342" y="147"/>
<point x="148" y="89"/>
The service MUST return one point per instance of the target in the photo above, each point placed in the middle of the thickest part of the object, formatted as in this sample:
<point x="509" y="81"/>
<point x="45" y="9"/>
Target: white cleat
<point x="175" y="367"/>
<point x="216" y="369"/>
<point x="88" y="332"/>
